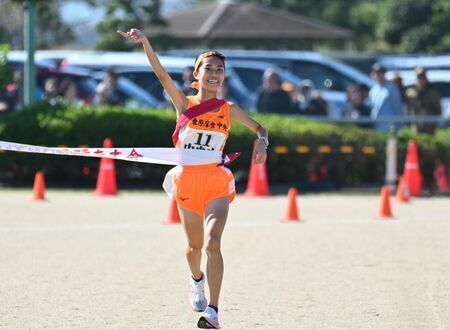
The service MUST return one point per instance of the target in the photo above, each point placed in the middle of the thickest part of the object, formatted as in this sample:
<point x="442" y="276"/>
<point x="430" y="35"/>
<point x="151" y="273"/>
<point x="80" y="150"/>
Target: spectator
<point x="365" y="93"/>
<point x="398" y="81"/>
<point x="356" y="105"/>
<point x="107" y="91"/>
<point x="385" y="99"/>
<point x="68" y="91"/>
<point x="6" y="102"/>
<point x="224" y="91"/>
<point x="423" y="100"/>
<point x="51" y="89"/>
<point x="188" y="79"/>
<point x="7" y="99"/>
<point x="14" y="91"/>
<point x="308" y="101"/>
<point x="186" y="88"/>
<point x="271" y="97"/>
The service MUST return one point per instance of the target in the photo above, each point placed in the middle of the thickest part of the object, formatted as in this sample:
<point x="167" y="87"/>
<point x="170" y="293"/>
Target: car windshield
<point x="443" y="88"/>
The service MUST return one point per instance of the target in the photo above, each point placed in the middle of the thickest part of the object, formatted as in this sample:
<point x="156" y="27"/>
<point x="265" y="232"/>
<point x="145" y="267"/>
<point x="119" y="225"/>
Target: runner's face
<point x="211" y="73"/>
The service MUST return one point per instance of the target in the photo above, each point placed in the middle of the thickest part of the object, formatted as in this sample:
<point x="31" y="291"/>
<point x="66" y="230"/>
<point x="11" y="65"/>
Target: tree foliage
<point x="417" y="25"/>
<point x="5" y="73"/>
<point x="124" y="14"/>
<point x="360" y="16"/>
<point x="50" y="30"/>
<point x="403" y="25"/>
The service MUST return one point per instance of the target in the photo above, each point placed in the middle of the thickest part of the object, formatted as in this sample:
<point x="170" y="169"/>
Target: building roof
<point x="245" y="21"/>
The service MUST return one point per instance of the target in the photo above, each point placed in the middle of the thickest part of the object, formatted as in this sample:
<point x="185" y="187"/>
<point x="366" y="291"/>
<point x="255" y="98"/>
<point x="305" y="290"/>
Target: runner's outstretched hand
<point x="134" y="35"/>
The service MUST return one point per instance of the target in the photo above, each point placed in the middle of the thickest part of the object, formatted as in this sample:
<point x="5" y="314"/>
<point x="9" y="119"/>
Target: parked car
<point x="360" y="61"/>
<point x="135" y="66"/>
<point x="44" y="70"/>
<point x="85" y="80"/>
<point x="329" y="76"/>
<point x="135" y="96"/>
<point x="251" y="74"/>
<point x="438" y="79"/>
<point x="409" y="62"/>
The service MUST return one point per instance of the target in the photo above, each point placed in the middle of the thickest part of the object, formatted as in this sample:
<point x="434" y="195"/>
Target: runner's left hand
<point x="259" y="152"/>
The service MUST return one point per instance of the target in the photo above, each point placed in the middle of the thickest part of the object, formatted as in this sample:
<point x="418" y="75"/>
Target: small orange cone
<point x="292" y="213"/>
<point x="440" y="177"/>
<point x="385" y="205"/>
<point x="39" y="187"/>
<point x="258" y="183"/>
<point x="173" y="217"/>
<point x="411" y="173"/>
<point x="402" y="195"/>
<point x="106" y="180"/>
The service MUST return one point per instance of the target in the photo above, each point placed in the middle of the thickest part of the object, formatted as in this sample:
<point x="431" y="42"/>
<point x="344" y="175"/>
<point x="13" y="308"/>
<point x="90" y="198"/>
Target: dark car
<point x="84" y="83"/>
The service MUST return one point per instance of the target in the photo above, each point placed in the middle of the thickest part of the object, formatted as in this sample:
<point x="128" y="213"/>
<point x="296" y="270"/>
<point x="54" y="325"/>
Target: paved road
<point x="77" y="261"/>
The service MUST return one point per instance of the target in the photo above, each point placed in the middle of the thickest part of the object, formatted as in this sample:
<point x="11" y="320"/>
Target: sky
<point x="74" y="11"/>
<point x="85" y="18"/>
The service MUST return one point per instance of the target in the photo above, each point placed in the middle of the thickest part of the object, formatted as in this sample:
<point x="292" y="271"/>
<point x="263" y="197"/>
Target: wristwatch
<point x="265" y="140"/>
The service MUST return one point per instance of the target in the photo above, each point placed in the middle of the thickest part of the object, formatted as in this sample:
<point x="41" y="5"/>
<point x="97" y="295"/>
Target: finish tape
<point x="165" y="156"/>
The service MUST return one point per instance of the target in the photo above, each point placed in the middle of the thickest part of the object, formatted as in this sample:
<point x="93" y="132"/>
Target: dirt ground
<point x="83" y="262"/>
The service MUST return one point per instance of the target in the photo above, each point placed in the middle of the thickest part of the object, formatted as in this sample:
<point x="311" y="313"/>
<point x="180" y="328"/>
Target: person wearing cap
<point x="271" y="97"/>
<point x="423" y="100"/>
<point x="385" y="99"/>
<point x="309" y="101"/>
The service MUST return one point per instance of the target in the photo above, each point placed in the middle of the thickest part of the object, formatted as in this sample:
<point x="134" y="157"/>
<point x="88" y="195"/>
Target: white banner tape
<point x="166" y="156"/>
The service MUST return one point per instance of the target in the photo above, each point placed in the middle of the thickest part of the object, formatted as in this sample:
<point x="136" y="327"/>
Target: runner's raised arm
<point x="178" y="98"/>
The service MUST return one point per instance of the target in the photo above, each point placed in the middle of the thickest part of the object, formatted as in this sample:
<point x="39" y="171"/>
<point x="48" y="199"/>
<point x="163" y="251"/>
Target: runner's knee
<point x="212" y="244"/>
<point x="195" y="248"/>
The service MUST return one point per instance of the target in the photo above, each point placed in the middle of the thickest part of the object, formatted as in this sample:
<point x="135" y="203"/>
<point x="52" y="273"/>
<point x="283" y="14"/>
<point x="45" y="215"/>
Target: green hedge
<point x="73" y="126"/>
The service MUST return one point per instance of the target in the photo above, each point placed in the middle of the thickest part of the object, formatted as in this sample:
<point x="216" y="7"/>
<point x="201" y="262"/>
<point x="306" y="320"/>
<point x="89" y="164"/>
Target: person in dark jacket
<point x="272" y="98"/>
<point x="423" y="100"/>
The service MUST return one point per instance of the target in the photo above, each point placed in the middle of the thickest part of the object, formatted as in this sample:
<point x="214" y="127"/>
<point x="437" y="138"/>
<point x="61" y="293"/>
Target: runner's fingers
<point x="258" y="158"/>
<point x="255" y="155"/>
<point x="123" y="34"/>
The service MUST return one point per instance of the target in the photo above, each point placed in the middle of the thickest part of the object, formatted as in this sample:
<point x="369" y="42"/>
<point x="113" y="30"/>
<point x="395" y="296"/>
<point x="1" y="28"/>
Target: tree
<point x="417" y="25"/>
<point x="124" y="14"/>
<point x="6" y="74"/>
<point x="359" y="16"/>
<point x="50" y="27"/>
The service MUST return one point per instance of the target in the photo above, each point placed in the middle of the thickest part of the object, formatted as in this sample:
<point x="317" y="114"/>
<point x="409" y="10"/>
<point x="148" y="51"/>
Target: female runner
<point x="203" y="192"/>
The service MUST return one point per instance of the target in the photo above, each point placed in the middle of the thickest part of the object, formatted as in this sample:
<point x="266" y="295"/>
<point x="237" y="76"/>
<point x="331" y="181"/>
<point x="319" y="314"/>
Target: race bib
<point x="195" y="139"/>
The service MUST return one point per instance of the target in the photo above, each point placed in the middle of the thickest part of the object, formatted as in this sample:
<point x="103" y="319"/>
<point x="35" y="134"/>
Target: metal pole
<point x="30" y="72"/>
<point x="391" y="162"/>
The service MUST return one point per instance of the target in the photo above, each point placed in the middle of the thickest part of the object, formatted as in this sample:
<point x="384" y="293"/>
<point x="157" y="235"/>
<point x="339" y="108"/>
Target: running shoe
<point x="209" y="319"/>
<point x="197" y="298"/>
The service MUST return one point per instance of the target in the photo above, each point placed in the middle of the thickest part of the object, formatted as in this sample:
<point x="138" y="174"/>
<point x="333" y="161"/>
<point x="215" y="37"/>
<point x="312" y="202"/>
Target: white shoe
<point x="197" y="298"/>
<point x="209" y="319"/>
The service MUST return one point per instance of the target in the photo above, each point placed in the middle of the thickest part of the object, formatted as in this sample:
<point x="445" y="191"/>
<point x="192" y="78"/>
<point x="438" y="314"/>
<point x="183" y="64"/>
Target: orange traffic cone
<point x="39" y="187"/>
<point x="292" y="213"/>
<point x="173" y="217"/>
<point x="257" y="181"/>
<point x="106" y="180"/>
<point x="402" y="195"/>
<point x="440" y="177"/>
<point x="411" y="173"/>
<point x="385" y="205"/>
